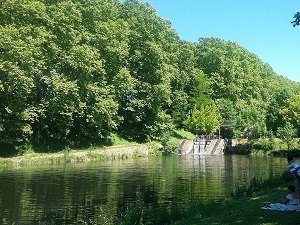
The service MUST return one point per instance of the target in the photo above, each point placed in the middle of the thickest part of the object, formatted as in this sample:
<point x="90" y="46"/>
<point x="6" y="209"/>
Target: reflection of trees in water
<point x="100" y="196"/>
<point x="84" y="213"/>
<point x="136" y="196"/>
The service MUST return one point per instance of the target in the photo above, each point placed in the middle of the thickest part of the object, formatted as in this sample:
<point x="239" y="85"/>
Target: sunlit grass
<point x="184" y="134"/>
<point x="119" y="141"/>
<point x="30" y="158"/>
<point x="117" y="145"/>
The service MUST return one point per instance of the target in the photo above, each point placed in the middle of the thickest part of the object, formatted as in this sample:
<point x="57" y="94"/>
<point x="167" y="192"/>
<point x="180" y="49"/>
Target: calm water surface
<point x="98" y="191"/>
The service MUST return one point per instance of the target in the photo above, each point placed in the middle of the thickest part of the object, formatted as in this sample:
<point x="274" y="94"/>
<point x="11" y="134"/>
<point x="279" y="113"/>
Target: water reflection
<point x="95" y="193"/>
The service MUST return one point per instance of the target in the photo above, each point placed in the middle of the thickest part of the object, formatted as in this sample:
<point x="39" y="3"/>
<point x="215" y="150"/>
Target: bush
<point x="170" y="146"/>
<point x="154" y="147"/>
<point x="25" y="149"/>
<point x="242" y="149"/>
<point x="263" y="144"/>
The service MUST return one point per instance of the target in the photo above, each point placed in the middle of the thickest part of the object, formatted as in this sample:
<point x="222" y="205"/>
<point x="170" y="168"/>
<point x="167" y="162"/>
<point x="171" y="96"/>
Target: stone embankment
<point x="117" y="151"/>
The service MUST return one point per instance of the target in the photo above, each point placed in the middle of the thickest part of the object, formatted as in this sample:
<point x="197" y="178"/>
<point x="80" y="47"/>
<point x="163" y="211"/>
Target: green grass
<point x="242" y="208"/>
<point x="245" y="205"/>
<point x="30" y="158"/>
<point x="184" y="134"/>
<point x="243" y="211"/>
<point x="117" y="140"/>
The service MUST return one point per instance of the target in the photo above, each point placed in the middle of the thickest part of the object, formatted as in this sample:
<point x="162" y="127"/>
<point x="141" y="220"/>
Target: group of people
<point x="292" y="201"/>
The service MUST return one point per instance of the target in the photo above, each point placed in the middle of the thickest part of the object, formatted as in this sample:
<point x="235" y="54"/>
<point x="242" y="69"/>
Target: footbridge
<point x="203" y="145"/>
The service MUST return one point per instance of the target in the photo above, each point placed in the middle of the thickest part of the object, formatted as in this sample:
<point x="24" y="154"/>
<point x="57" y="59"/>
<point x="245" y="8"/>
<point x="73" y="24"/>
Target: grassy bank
<point x="245" y="211"/>
<point x="267" y="146"/>
<point x="119" y="149"/>
<point x="74" y="156"/>
<point x="244" y="207"/>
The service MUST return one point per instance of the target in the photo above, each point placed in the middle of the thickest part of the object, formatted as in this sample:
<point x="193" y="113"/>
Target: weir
<point x="203" y="145"/>
<point x="186" y="147"/>
<point x="210" y="144"/>
<point x="200" y="147"/>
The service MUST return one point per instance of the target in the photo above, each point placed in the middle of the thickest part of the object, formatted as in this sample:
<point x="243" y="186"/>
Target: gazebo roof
<point x="227" y="124"/>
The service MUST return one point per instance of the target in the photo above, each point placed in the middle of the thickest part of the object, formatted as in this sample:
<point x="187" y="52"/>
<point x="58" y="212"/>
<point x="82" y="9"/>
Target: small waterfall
<point x="196" y="148"/>
<point x="202" y="147"/>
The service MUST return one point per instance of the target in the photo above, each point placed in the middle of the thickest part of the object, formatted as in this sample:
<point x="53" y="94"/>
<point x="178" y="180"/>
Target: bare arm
<point x="285" y="200"/>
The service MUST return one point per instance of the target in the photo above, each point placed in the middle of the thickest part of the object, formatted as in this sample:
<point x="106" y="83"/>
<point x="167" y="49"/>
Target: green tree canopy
<point x="291" y="111"/>
<point x="76" y="72"/>
<point x="204" y="119"/>
<point x="287" y="133"/>
<point x="296" y="22"/>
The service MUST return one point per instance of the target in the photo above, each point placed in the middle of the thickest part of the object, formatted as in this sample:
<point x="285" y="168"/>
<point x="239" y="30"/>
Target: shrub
<point x="264" y="144"/>
<point x="170" y="147"/>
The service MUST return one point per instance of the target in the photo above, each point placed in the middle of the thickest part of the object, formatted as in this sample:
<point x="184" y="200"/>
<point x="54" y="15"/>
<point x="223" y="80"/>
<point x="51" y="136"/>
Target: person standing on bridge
<point x="294" y="168"/>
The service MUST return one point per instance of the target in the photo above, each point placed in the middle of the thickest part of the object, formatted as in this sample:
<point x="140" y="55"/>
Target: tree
<point x="287" y="133"/>
<point x="151" y="44"/>
<point x="252" y="122"/>
<point x="53" y="83"/>
<point x="183" y="75"/>
<point x="74" y="72"/>
<point x="291" y="111"/>
<point x="203" y="119"/>
<point x="20" y="61"/>
<point x="241" y="78"/>
<point x="226" y="109"/>
<point x="296" y="22"/>
<point x="274" y="118"/>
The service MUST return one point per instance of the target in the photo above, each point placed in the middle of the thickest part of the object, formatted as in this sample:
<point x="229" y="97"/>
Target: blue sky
<point x="263" y="27"/>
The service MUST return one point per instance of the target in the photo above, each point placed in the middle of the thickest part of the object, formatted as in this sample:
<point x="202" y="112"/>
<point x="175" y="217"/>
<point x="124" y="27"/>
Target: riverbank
<point x="75" y="156"/>
<point x="246" y="211"/>
<point x="120" y="149"/>
<point x="266" y="146"/>
<point x="244" y="207"/>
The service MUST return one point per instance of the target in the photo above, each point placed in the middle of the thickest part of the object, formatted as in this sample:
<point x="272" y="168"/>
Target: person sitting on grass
<point x="289" y="203"/>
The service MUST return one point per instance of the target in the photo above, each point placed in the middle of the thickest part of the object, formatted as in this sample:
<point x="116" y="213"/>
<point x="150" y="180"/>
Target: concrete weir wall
<point x="186" y="147"/>
<point x="202" y="147"/>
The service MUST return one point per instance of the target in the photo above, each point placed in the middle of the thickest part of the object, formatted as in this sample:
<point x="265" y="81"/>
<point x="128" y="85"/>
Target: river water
<point x="98" y="191"/>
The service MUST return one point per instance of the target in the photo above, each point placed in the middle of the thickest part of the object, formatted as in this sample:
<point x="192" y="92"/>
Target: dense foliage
<point x="296" y="22"/>
<point x="74" y="73"/>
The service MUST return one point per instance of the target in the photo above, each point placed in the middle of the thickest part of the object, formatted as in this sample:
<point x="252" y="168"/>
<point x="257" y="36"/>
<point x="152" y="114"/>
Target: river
<point x="98" y="191"/>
